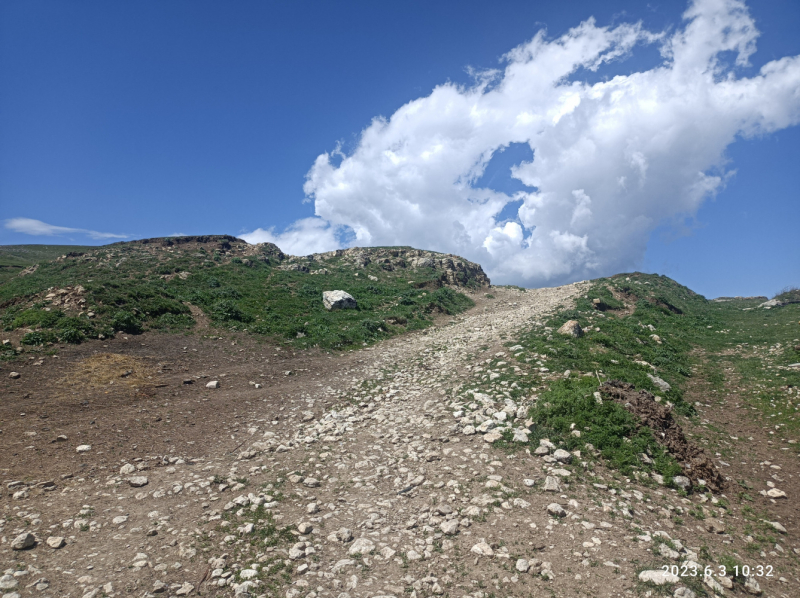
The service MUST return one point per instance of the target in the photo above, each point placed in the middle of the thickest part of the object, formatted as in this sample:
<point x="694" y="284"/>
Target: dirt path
<point x="342" y="476"/>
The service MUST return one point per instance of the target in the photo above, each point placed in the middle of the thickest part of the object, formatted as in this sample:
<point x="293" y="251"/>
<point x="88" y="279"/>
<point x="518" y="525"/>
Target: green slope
<point x="15" y="258"/>
<point x="155" y="284"/>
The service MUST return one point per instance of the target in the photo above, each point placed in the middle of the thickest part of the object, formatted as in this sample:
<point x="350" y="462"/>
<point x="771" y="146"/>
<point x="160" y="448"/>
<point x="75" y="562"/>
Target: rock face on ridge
<point x="453" y="270"/>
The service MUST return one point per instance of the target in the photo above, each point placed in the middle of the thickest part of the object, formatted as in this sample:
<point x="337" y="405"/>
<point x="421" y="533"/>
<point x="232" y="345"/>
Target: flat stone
<point x="556" y="510"/>
<point x="492" y="437"/>
<point x="551" y="484"/>
<point x="658" y="577"/>
<point x="777" y="526"/>
<point x="138" y="481"/>
<point x="127" y="469"/>
<point x="361" y="546"/>
<point x="55" y="542"/>
<point x="562" y="456"/>
<point x="660" y="382"/>
<point x="84" y="448"/>
<point x="8" y="582"/>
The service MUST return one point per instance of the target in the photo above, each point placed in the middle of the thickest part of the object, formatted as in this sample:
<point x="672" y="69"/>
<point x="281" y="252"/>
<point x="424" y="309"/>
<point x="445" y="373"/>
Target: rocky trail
<point x="363" y="474"/>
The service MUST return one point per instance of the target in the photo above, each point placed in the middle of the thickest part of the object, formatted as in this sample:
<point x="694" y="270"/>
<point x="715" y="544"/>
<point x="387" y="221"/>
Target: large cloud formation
<point x="611" y="160"/>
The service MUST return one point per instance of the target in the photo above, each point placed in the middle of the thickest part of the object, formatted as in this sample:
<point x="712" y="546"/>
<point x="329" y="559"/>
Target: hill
<point x="174" y="284"/>
<point x="15" y="258"/>
<point x="617" y="437"/>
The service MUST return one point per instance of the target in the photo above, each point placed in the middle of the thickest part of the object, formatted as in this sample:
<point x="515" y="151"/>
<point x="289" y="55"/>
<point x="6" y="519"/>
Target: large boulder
<point x="338" y="300"/>
<point x="571" y="328"/>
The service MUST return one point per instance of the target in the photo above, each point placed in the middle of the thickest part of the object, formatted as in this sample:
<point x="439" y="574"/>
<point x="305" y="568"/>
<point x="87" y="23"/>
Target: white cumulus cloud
<point x="29" y="226"/>
<point x="306" y="236"/>
<point x="611" y="160"/>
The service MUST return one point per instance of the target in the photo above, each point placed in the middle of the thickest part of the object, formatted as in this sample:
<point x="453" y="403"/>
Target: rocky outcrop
<point x="450" y="269"/>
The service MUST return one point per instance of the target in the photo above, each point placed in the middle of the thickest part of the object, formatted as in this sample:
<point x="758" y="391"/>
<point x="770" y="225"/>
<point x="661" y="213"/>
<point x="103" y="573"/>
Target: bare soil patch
<point x="696" y="464"/>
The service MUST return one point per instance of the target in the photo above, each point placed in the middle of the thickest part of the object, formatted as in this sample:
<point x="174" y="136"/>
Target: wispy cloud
<point x="29" y="226"/>
<point x="612" y="160"/>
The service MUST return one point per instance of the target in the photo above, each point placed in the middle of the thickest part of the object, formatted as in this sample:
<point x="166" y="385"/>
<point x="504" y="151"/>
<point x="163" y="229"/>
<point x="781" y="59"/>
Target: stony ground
<point x="364" y="474"/>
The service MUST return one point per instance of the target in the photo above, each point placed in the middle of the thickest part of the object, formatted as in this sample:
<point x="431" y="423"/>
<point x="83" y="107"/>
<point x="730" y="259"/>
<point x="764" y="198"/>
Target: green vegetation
<point x="649" y="320"/>
<point x="639" y="328"/>
<point x="15" y="258"/>
<point x="788" y="294"/>
<point x="132" y="287"/>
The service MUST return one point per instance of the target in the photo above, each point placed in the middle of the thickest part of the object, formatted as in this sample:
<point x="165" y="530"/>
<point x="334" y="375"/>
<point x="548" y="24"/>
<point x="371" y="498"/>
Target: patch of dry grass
<point x="111" y="370"/>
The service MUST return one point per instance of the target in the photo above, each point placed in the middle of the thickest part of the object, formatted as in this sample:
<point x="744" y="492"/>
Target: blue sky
<point x="150" y="119"/>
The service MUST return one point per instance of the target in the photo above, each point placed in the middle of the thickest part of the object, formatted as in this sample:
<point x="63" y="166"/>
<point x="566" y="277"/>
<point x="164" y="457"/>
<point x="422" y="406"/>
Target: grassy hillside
<point x="15" y="258"/>
<point x="168" y="284"/>
<point x="639" y="328"/>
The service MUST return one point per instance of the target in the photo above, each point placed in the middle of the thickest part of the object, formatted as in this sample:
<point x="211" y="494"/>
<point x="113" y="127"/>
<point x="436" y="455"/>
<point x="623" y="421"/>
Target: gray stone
<point x="492" y="436"/>
<point x="520" y="435"/>
<point x="450" y="527"/>
<point x="482" y="549"/>
<point x="522" y="565"/>
<point x="361" y="546"/>
<point x="551" y="484"/>
<point x="23" y="541"/>
<point x="776" y="526"/>
<point x="343" y="535"/>
<point x="55" y="542"/>
<point x="660" y="382"/>
<point x="562" y="456"/>
<point x="682" y="482"/>
<point x="127" y="469"/>
<point x="338" y="300"/>
<point x="138" y="481"/>
<point x="213" y="384"/>
<point x="714" y="526"/>
<point x="752" y="587"/>
<point x="571" y="328"/>
<point x="658" y="576"/>
<point x="556" y="510"/>
<point x="8" y="582"/>
<point x="84" y="448"/>
<point x="772" y="303"/>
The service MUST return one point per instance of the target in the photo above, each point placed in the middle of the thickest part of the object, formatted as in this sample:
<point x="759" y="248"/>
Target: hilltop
<point x="178" y="283"/>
